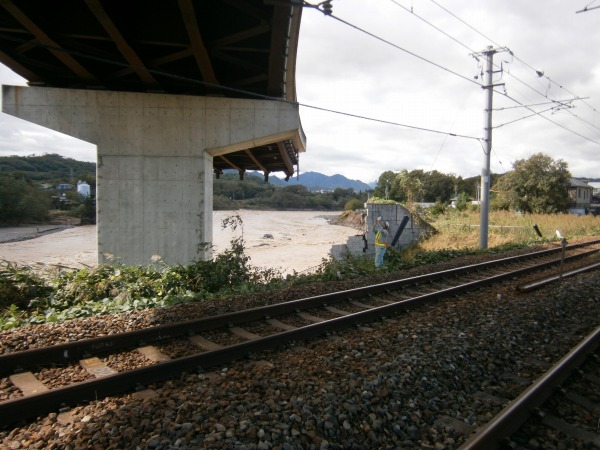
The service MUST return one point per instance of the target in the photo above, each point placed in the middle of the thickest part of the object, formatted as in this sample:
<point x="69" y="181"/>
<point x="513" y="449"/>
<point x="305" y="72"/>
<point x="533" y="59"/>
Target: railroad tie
<point x="97" y="367"/>
<point x="380" y="299"/>
<point x="244" y="333"/>
<point x="571" y="430"/>
<point x="27" y="383"/>
<point x="582" y="401"/>
<point x="205" y="343"/>
<point x="310" y="317"/>
<point x="337" y="311"/>
<point x="362" y="305"/>
<point x="153" y="353"/>
<point x="278" y="324"/>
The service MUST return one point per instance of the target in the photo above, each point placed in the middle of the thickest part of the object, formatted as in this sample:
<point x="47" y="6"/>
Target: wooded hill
<point x="48" y="168"/>
<point x="27" y="173"/>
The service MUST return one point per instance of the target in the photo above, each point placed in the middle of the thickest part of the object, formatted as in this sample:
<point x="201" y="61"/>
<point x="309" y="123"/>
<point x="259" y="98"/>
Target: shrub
<point x="354" y="204"/>
<point x="19" y="286"/>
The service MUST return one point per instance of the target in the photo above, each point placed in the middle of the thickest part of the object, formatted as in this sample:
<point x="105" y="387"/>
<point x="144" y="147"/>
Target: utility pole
<point x="487" y="150"/>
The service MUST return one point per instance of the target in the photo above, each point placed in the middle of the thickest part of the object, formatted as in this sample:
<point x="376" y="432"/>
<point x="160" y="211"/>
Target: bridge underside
<point x="170" y="93"/>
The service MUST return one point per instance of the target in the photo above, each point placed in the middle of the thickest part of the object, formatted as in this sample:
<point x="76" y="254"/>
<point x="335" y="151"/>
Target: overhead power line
<point x="524" y="117"/>
<point x="433" y="26"/>
<point x="587" y="7"/>
<point x="391" y="123"/>
<point x="548" y="119"/>
<point x="439" y="66"/>
<point x="538" y="72"/>
<point x="564" y="102"/>
<point x="233" y="90"/>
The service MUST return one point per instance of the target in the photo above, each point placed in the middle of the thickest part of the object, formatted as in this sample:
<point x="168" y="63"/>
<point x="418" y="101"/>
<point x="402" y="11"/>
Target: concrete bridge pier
<point x="154" y="159"/>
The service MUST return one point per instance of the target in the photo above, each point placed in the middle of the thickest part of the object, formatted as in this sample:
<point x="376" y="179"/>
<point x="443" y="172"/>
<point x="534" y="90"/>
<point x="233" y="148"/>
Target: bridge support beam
<point x="154" y="160"/>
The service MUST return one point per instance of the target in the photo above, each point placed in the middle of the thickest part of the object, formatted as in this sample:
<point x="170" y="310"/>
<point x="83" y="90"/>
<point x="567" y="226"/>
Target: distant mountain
<point x="315" y="181"/>
<point x="50" y="167"/>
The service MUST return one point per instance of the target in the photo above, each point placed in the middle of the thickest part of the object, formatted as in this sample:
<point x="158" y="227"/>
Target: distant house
<point x="64" y="187"/>
<point x="595" y="205"/>
<point x="580" y="192"/>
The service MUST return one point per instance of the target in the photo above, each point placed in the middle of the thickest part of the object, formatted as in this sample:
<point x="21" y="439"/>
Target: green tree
<point x="535" y="185"/>
<point x="462" y="201"/>
<point x="88" y="209"/>
<point x="21" y="201"/>
<point x="385" y="181"/>
<point x="409" y="187"/>
<point x="354" y="204"/>
<point x="291" y="197"/>
<point x="49" y="168"/>
<point x="438" y="186"/>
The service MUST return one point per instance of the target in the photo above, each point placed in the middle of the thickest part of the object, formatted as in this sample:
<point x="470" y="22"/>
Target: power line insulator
<point x="327" y="7"/>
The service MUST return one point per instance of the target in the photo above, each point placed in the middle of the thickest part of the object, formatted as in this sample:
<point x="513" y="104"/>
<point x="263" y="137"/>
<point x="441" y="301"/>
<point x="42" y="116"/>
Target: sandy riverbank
<point x="300" y="240"/>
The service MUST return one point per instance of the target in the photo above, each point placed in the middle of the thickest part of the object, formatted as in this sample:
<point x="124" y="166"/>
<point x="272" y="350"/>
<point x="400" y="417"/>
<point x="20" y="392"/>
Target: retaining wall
<point x="364" y="244"/>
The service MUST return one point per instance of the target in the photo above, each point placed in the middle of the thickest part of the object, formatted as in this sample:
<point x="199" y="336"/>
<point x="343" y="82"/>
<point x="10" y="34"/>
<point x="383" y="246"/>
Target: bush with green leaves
<point x="21" y="201"/>
<point x="20" y="285"/>
<point x="110" y="288"/>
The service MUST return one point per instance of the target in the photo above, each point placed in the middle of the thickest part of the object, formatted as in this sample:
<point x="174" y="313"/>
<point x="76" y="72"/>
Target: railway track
<point x="213" y="341"/>
<point x="562" y="405"/>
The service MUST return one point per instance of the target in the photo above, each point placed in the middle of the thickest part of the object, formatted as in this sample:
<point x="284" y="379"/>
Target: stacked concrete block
<point x="395" y="215"/>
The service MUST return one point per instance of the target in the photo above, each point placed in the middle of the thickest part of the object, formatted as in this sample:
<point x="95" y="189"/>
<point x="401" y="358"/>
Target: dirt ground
<point x="284" y="240"/>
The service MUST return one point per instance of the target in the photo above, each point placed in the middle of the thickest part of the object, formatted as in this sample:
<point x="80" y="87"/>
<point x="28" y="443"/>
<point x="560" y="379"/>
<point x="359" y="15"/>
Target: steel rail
<point x="543" y="282"/>
<point x="73" y="351"/>
<point x="512" y="417"/>
<point x="12" y="411"/>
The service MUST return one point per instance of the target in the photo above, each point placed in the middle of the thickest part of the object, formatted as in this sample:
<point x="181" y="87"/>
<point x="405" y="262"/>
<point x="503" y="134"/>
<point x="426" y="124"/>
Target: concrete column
<point x="154" y="171"/>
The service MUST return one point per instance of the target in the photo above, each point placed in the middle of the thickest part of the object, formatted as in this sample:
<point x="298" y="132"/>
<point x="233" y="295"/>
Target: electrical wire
<point x="523" y="118"/>
<point x="231" y="89"/>
<point x="257" y="95"/>
<point x="587" y="8"/>
<point x="576" y="97"/>
<point x="411" y="11"/>
<point x="403" y="49"/>
<point x="548" y="119"/>
<point x="451" y="126"/>
<point x="564" y="102"/>
<point x="390" y="123"/>
<point x="461" y="76"/>
<point x="538" y="72"/>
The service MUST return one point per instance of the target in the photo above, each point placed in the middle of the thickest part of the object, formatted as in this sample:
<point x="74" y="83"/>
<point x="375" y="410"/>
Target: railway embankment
<point x="426" y="378"/>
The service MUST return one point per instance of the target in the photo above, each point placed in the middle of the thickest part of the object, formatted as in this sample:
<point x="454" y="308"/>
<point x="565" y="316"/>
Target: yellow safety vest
<point x="378" y="239"/>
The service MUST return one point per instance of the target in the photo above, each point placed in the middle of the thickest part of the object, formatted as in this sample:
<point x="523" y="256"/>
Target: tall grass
<point x="460" y="230"/>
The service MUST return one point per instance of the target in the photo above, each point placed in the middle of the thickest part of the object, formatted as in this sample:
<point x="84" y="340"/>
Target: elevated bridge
<point x="171" y="92"/>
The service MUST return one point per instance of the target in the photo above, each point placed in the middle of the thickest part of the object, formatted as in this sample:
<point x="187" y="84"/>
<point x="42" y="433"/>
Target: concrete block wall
<point x="394" y="214"/>
<point x="354" y="245"/>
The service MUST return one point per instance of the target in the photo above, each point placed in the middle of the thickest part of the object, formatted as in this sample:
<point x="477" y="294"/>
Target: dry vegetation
<point x="458" y="230"/>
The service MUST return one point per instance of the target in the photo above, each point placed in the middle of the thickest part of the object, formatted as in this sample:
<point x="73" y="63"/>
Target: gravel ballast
<point x="422" y="379"/>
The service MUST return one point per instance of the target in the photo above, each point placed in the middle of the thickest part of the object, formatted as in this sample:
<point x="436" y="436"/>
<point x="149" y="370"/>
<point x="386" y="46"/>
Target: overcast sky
<point x="419" y="70"/>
